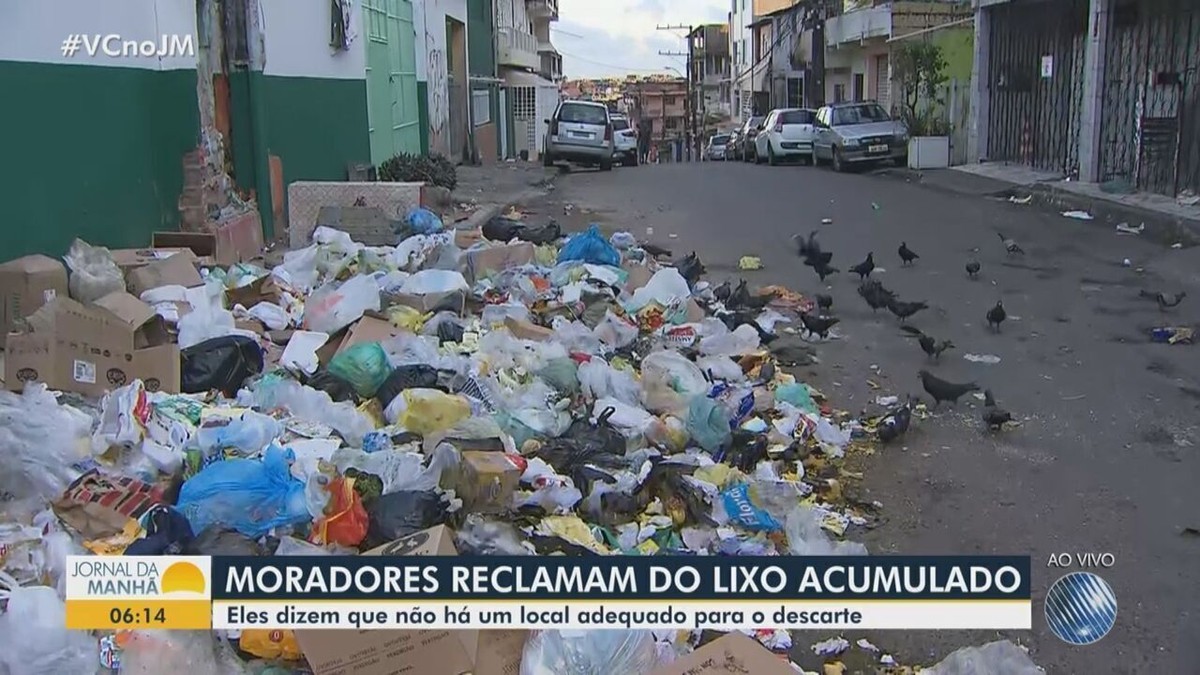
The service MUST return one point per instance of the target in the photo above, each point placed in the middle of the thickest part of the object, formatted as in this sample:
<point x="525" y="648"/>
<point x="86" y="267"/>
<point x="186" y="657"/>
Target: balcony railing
<point x="542" y="9"/>
<point x="516" y="48"/>
<point x="859" y="25"/>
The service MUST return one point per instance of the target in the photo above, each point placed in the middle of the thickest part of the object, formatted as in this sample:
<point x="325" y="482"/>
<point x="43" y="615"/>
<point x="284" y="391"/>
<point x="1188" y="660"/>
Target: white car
<point x="626" y="138"/>
<point x="787" y="133"/>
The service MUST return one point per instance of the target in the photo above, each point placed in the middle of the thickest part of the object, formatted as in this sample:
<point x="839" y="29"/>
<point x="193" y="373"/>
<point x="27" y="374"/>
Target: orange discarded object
<point x="347" y="524"/>
<point x="787" y="298"/>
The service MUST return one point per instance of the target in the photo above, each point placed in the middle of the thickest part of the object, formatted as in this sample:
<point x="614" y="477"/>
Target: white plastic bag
<point x="192" y="652"/>
<point x="615" y="331"/>
<point x="307" y="403"/>
<point x="743" y="340"/>
<point x="299" y="268"/>
<point x="721" y="368"/>
<point x="398" y="469"/>
<point x="590" y="652"/>
<point x="670" y="380"/>
<point x="33" y="635"/>
<point x="1001" y="656"/>
<point x="93" y="272"/>
<point x="434" y="281"/>
<point x="271" y="314"/>
<point x="331" y="308"/>
<point x="597" y="379"/>
<point x="666" y="288"/>
<point x="207" y="320"/>
<point x="632" y="421"/>
<point x="806" y="537"/>
<point x="40" y="440"/>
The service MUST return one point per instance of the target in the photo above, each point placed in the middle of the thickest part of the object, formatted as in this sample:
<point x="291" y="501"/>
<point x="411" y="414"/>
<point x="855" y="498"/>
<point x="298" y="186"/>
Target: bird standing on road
<point x="907" y="255"/>
<point x="1010" y="245"/>
<point x="895" y="423"/>
<point x="996" y="315"/>
<point x="942" y="390"/>
<point x="819" y="324"/>
<point x="875" y="294"/>
<point x="903" y="310"/>
<point x="824" y="269"/>
<point x="824" y="302"/>
<point x="1166" y="301"/>
<point x="930" y="345"/>
<point x="994" y="416"/>
<point x="864" y="268"/>
<point x="973" y="269"/>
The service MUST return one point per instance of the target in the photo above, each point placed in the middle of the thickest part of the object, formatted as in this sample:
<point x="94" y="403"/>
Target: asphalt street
<point x="1105" y="456"/>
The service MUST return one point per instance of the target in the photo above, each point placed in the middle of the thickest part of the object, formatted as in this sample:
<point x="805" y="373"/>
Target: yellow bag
<point x="270" y="644"/>
<point x="402" y="316"/>
<point x="429" y="410"/>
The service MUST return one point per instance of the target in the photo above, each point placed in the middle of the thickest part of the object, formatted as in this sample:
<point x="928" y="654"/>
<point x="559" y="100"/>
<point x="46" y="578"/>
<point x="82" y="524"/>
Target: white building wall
<point x="33" y="32"/>
<point x="739" y="34"/>
<point x="297" y="42"/>
<point x="429" y="23"/>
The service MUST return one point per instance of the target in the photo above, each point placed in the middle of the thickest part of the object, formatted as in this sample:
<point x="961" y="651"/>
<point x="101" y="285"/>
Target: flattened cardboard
<point x="26" y="284"/>
<point x="527" y="330"/>
<point x="177" y="270"/>
<point x="369" y="329"/>
<point x="263" y="289"/>
<point x="455" y="301"/>
<point x="93" y="349"/>
<point x="480" y="262"/>
<point x="132" y="258"/>
<point x="427" y="652"/>
<point x="731" y="653"/>
<point x="467" y="238"/>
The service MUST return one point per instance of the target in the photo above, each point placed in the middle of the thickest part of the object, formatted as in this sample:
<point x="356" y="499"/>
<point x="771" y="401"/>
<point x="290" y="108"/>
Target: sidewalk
<point x="488" y="190"/>
<point x="1165" y="219"/>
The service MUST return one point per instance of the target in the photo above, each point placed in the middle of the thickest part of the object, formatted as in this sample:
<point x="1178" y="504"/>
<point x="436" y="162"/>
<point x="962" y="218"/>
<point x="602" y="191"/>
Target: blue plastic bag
<point x="590" y="247"/>
<point x="423" y="221"/>
<point x="742" y="510"/>
<point x="252" y="496"/>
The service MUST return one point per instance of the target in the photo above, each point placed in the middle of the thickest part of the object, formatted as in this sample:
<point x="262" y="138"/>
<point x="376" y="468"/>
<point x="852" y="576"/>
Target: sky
<point x="608" y="38"/>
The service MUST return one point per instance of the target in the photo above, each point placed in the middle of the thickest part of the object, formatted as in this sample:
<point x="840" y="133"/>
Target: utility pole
<point x="818" y="55"/>
<point x="689" y="122"/>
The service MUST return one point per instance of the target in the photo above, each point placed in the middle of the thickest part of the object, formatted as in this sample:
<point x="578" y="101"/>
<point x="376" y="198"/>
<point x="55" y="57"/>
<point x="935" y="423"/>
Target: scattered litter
<point x="887" y="660"/>
<point x="1187" y="198"/>
<point x="990" y="359"/>
<point x="866" y="645"/>
<point x="887" y="400"/>
<point x="827" y="221"/>
<point x="1077" y="215"/>
<point x="1076" y="397"/>
<point x="750" y="262"/>
<point x="1177" y="245"/>
<point x="831" y="647"/>
<point x="1172" y="335"/>
<point x="1126" y="228"/>
<point x="1021" y="200"/>
<point x="1126" y="263"/>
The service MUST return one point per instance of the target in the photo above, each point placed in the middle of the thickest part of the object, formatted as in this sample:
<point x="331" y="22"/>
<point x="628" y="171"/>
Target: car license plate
<point x="877" y="148"/>
<point x="580" y="134"/>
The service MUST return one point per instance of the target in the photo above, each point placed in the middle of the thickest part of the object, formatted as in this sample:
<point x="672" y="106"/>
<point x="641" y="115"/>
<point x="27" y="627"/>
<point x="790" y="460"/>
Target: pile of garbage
<point x="506" y="391"/>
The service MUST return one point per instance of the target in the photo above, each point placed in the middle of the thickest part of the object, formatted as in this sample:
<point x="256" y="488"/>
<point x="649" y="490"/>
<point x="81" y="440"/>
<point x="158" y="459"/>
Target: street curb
<point x="1160" y="227"/>
<point x="490" y="210"/>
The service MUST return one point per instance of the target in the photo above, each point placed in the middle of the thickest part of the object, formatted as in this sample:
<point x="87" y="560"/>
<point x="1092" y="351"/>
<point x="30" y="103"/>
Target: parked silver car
<point x="626" y="139"/>
<point x="580" y="132"/>
<point x="717" y="148"/>
<point x="858" y="133"/>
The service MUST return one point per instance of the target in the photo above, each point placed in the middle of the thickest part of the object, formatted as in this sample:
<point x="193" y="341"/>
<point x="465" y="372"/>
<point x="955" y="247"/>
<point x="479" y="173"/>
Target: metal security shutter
<point x="882" y="90"/>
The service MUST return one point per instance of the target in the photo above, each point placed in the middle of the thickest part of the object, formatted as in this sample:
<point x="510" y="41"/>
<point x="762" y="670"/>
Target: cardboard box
<point x="428" y="652"/>
<point x="527" y="330"/>
<point x="262" y="289"/>
<point x="455" y="301"/>
<point x="437" y="540"/>
<point x="28" y="283"/>
<point x="467" y="238"/>
<point x="478" y="263"/>
<point x="731" y="653"/>
<point x="214" y="248"/>
<point x="93" y="349"/>
<point x="132" y="258"/>
<point x="485" y="481"/>
<point x="177" y="270"/>
<point x="369" y="329"/>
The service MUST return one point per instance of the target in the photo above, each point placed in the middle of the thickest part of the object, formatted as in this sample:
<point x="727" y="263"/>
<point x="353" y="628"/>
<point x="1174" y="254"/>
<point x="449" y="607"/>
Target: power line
<point x="609" y="65"/>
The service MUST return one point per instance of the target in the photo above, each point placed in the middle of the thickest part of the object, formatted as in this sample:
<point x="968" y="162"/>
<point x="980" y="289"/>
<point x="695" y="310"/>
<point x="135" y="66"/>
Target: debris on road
<point x="989" y="359"/>
<point x="1172" y="335"/>
<point x="1023" y="201"/>
<point x="750" y="262"/>
<point x="1078" y="215"/>
<point x="1126" y="228"/>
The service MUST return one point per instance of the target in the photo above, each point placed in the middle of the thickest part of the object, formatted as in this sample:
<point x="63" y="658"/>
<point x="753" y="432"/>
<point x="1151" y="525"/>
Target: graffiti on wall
<point x="439" y="105"/>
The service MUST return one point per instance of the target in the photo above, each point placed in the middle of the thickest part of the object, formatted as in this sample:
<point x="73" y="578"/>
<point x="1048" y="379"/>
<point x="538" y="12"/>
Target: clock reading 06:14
<point x="137" y="616"/>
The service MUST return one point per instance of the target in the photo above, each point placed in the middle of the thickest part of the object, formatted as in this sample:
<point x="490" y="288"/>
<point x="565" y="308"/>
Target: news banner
<point x="450" y="592"/>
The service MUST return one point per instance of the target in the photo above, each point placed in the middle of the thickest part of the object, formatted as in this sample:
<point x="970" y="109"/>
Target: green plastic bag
<point x="708" y="423"/>
<point x="365" y="366"/>
<point x="562" y="374"/>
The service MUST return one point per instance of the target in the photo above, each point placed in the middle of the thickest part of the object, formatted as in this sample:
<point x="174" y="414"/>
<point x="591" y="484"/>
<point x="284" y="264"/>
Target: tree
<point x="920" y="69"/>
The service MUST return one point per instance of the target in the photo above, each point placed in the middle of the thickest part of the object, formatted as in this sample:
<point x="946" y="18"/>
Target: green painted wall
<point x="93" y="152"/>
<point x="316" y="126"/>
<point x="958" y="48"/>
<point x="481" y="32"/>
<point x="423" y="114"/>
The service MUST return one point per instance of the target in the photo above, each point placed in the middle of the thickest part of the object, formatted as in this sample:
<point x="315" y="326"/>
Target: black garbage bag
<point x="416" y="376"/>
<point x="400" y="514"/>
<point x="222" y="363"/>
<point x="582" y="444"/>
<point x="219" y="540"/>
<point x="168" y="532"/>
<point x="544" y="234"/>
<point x="500" y="228"/>
<point x="338" y="388"/>
<point x="745" y="450"/>
<point x="691" y="269"/>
